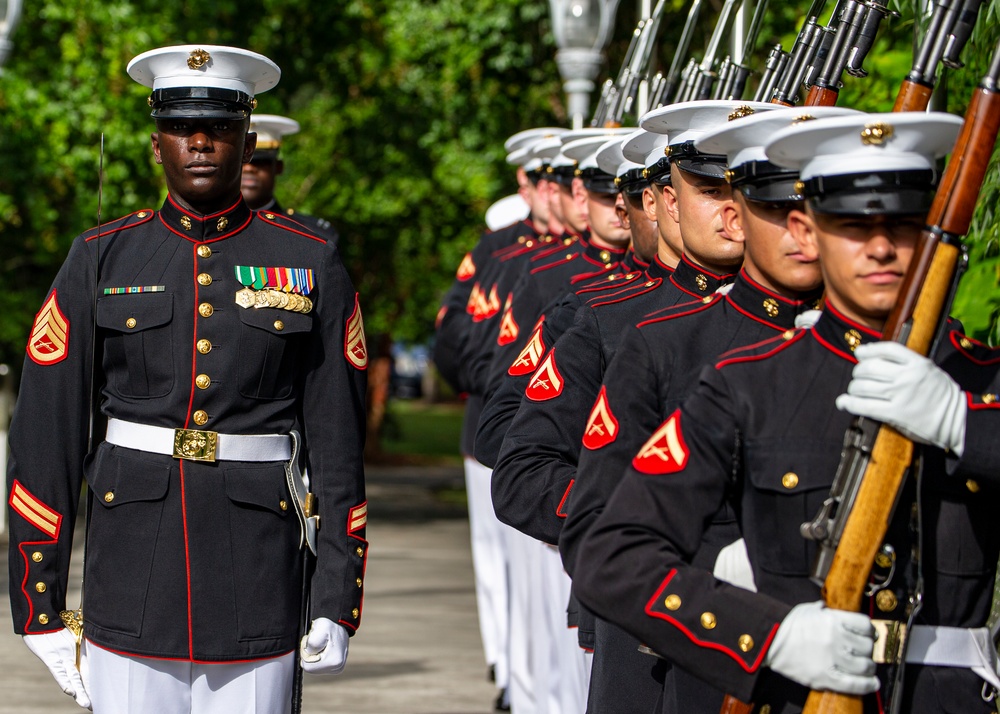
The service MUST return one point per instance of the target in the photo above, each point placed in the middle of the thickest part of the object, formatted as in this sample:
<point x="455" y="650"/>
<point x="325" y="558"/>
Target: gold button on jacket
<point x="194" y="559"/>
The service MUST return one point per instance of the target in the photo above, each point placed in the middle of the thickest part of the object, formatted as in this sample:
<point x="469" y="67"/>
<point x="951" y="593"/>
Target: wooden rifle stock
<point x="821" y="97"/>
<point x="914" y="321"/>
<point x="732" y="705"/>
<point x="912" y="97"/>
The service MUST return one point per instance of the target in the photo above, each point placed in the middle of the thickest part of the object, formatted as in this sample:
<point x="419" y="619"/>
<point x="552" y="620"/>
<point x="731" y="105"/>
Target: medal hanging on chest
<point x="282" y="288"/>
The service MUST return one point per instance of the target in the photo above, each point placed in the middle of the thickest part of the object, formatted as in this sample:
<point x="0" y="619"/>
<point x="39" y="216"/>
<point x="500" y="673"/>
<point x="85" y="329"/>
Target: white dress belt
<point x="229" y="447"/>
<point x="966" y="647"/>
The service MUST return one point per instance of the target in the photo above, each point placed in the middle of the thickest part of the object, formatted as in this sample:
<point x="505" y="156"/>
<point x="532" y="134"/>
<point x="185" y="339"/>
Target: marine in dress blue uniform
<point x="219" y="331"/>
<point x="260" y="175"/>
<point x="469" y="315"/>
<point x="659" y="361"/>
<point x="762" y="432"/>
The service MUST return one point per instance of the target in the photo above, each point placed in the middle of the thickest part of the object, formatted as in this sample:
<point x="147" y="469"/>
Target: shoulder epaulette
<point x="282" y="221"/>
<point x="130" y="221"/>
<point x="761" y="350"/>
<point x="691" y="307"/>
<point x="626" y="294"/>
<point x="974" y="350"/>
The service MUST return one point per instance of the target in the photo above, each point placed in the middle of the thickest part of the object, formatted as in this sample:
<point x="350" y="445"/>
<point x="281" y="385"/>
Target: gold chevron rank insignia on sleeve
<point x="24" y="503"/>
<point x="547" y="382"/>
<point x="357" y="518"/>
<point x="527" y="362"/>
<point x="665" y="452"/>
<point x="602" y="426"/>
<point x="509" y="329"/>
<point x="467" y="269"/>
<point x="355" y="348"/>
<point x="49" y="335"/>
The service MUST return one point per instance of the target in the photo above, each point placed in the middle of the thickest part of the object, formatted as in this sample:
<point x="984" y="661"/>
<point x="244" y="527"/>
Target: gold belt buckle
<point x="195" y="444"/>
<point x="890" y="641"/>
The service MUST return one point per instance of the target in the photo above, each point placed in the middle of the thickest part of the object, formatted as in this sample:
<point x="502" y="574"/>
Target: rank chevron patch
<point x="665" y="452"/>
<point x="547" y="383"/>
<point x="357" y="518"/>
<point x="531" y="355"/>
<point x="474" y="298"/>
<point x="486" y="307"/>
<point x="467" y="269"/>
<point x="49" y="335"/>
<point x="491" y="304"/>
<point x="509" y="329"/>
<point x="602" y="426"/>
<point x="24" y="503"/>
<point x="355" y="348"/>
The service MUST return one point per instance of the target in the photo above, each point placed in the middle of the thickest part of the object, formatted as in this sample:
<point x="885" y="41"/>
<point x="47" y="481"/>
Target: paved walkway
<point x="418" y="650"/>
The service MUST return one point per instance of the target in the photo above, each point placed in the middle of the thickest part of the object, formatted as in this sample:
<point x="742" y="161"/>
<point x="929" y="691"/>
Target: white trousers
<point x="489" y="561"/>
<point x="562" y="674"/>
<point x="526" y="644"/>
<point x="137" y="685"/>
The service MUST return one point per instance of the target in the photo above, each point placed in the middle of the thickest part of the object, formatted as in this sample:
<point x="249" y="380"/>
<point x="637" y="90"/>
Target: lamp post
<point x="582" y="29"/>
<point x="10" y="14"/>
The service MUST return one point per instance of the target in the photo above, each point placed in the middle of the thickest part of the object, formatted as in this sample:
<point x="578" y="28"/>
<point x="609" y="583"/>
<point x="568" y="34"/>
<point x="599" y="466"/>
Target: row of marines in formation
<point x="661" y="361"/>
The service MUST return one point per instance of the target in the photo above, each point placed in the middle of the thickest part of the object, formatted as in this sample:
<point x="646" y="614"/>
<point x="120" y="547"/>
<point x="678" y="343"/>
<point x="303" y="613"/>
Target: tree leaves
<point x="404" y="107"/>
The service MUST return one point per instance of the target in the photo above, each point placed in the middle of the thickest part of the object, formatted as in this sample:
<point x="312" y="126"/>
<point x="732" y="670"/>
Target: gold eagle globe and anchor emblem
<point x="741" y="111"/>
<point x="198" y="59"/>
<point x="877" y="134"/>
<point x="195" y="445"/>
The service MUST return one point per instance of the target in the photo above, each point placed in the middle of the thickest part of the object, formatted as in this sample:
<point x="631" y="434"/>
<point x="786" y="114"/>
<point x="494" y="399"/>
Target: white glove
<point x="825" y="649"/>
<point x="324" y="649"/>
<point x="807" y="318"/>
<point x="733" y="566"/>
<point x="724" y="289"/>
<point x="58" y="651"/>
<point x="895" y="385"/>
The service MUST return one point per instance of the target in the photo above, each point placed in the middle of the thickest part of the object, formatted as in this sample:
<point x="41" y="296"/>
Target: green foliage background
<point x="404" y="106"/>
<point x="978" y="301"/>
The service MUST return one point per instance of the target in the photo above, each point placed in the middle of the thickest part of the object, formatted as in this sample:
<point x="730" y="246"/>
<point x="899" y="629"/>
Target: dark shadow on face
<point x="259" y="178"/>
<point x="202" y="160"/>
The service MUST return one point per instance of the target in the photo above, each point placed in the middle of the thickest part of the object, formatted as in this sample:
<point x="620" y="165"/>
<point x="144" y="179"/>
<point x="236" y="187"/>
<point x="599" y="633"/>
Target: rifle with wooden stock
<point x="821" y="55"/>
<point x="853" y="520"/>
<point x="853" y="40"/>
<point x="803" y="52"/>
<point x="948" y="31"/>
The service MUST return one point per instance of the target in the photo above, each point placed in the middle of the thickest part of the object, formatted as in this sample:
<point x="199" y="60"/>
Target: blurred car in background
<point x="409" y="365"/>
